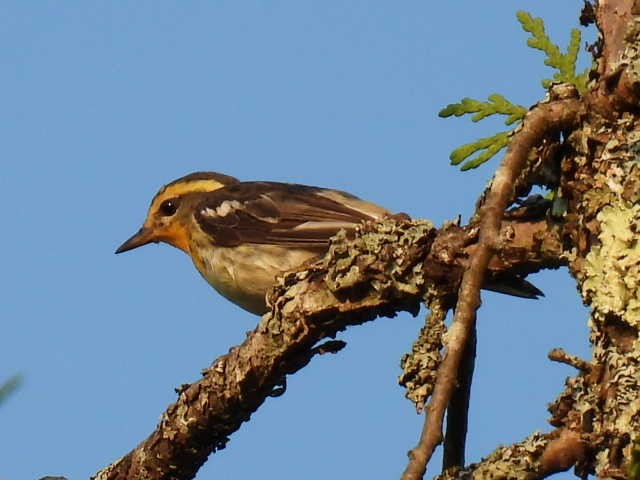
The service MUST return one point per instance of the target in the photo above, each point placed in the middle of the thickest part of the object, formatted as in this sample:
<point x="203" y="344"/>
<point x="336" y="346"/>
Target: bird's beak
<point x="140" y="238"/>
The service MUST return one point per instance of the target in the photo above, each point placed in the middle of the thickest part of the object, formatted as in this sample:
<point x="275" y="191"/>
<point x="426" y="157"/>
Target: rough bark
<point x="545" y="119"/>
<point x="537" y="456"/>
<point x="598" y="415"/>
<point x="387" y="268"/>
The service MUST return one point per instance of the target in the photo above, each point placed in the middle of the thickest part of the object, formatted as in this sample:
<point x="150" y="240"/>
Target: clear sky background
<point x="103" y="102"/>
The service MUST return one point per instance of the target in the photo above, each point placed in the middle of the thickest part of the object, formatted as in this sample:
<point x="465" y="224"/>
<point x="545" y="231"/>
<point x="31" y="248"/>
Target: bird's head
<point x="171" y="210"/>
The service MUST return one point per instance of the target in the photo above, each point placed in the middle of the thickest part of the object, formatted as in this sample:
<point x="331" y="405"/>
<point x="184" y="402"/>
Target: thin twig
<point x="560" y="356"/>
<point x="539" y="122"/>
<point x="458" y="412"/>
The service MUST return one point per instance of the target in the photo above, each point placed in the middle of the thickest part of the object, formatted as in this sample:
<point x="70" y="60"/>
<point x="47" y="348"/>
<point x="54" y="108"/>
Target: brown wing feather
<point x="278" y="214"/>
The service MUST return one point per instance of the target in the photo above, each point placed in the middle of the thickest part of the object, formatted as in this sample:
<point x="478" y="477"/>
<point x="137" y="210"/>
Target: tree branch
<point x="537" y="456"/>
<point x="560" y="356"/>
<point x="458" y="412"/>
<point x="619" y="87"/>
<point x="545" y="118"/>
<point x="308" y="306"/>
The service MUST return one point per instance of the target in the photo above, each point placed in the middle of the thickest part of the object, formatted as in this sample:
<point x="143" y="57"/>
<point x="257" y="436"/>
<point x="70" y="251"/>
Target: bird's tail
<point x="516" y="286"/>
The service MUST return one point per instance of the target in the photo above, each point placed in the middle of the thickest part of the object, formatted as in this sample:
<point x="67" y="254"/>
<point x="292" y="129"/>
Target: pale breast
<point x="244" y="274"/>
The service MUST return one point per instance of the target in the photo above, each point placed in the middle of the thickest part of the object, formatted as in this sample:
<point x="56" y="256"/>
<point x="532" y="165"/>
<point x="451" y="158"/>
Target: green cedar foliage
<point x="563" y="63"/>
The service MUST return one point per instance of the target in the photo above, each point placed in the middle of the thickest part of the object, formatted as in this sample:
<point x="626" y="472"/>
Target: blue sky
<point x="103" y="102"/>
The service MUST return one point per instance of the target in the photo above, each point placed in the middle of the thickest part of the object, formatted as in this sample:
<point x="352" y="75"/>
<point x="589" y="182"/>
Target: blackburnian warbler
<point x="241" y="235"/>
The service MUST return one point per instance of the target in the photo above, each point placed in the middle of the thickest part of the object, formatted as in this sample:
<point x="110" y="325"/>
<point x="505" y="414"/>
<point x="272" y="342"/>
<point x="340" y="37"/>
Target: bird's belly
<point x="244" y="274"/>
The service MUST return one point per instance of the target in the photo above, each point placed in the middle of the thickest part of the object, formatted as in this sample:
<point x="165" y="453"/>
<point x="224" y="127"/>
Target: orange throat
<point x="177" y="236"/>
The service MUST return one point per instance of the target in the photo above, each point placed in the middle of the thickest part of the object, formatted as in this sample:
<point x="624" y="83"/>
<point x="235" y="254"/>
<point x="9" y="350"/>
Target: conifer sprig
<point x="496" y="104"/>
<point x="564" y="63"/>
<point x="488" y="146"/>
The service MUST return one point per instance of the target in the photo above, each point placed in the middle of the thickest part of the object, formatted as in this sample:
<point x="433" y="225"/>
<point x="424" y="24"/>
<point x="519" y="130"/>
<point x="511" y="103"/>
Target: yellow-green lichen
<point x="630" y="413"/>
<point x="612" y="268"/>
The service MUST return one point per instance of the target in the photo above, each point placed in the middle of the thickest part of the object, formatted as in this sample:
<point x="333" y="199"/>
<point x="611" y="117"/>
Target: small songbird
<point x="242" y="235"/>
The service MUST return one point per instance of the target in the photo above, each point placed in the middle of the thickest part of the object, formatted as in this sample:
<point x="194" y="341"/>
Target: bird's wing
<point x="280" y="214"/>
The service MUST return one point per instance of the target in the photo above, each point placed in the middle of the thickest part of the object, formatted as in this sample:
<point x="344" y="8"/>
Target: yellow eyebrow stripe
<point x="179" y="189"/>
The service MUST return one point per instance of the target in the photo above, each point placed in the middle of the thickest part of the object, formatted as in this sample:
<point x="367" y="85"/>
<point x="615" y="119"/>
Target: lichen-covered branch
<point x="618" y="61"/>
<point x="548" y="117"/>
<point x="597" y="416"/>
<point x="420" y="366"/>
<point x="537" y="456"/>
<point x="387" y="268"/>
<point x="601" y="183"/>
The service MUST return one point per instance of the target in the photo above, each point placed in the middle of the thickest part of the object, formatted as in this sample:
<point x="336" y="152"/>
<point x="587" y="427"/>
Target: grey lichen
<point x="420" y="366"/>
<point x="381" y="262"/>
<point x="388" y="257"/>
<point x="377" y="257"/>
<point x="519" y="461"/>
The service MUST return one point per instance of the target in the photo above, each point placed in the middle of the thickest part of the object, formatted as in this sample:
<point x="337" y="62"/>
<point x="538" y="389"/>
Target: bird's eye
<point x="168" y="207"/>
